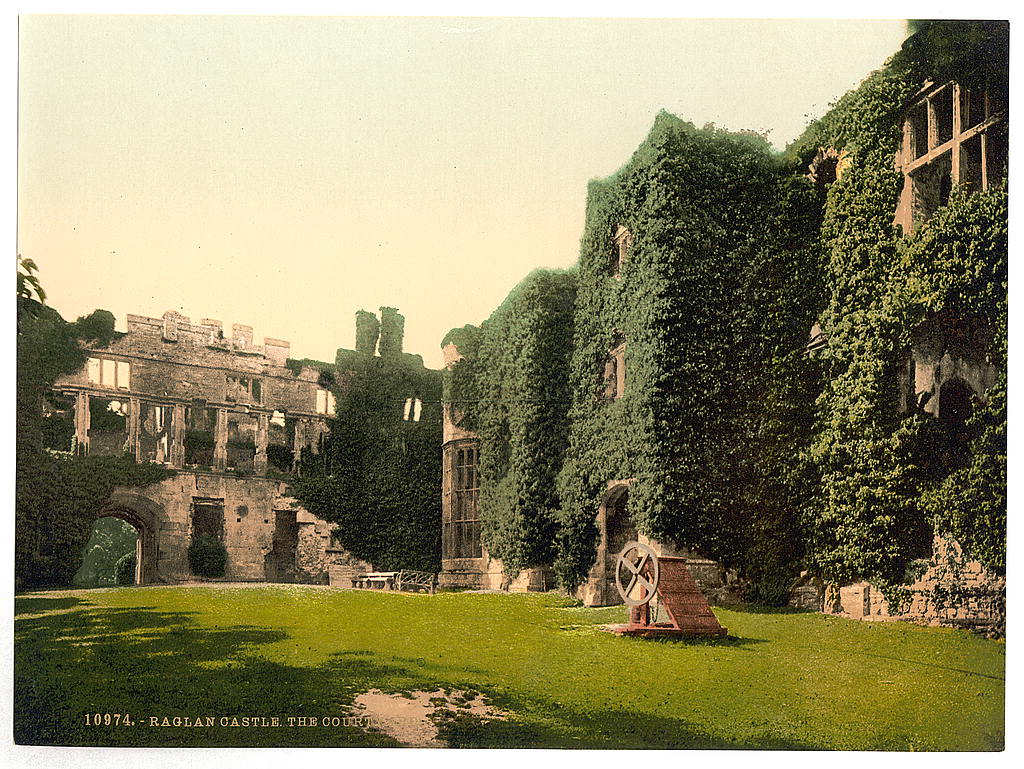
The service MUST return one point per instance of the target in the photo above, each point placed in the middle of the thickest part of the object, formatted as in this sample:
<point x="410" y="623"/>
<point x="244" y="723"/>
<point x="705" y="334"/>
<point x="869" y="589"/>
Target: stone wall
<point x="952" y="592"/>
<point x="485" y="573"/>
<point x="268" y="536"/>
<point x="343" y="567"/>
<point x="194" y="367"/>
<point x="956" y="592"/>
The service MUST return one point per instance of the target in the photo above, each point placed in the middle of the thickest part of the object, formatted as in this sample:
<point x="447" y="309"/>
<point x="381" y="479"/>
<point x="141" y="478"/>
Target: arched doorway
<point x="144" y="515"/>
<point x="617" y="528"/>
<point x="955" y="404"/>
<point x="110" y="556"/>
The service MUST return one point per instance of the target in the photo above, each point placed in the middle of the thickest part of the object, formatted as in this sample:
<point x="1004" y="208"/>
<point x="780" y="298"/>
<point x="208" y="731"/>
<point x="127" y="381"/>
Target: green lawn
<point x="790" y="680"/>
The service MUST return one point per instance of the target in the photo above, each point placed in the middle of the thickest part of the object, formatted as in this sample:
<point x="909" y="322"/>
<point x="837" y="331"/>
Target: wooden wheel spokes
<point x="638" y="564"/>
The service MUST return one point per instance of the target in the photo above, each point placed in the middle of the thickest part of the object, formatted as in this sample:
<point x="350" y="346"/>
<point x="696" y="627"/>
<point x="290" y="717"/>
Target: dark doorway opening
<point x="280" y="563"/>
<point x="619" y="530"/>
<point x="111" y="556"/>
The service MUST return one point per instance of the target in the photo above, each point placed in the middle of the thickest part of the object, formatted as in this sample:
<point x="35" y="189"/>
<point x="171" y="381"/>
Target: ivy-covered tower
<point x="696" y="288"/>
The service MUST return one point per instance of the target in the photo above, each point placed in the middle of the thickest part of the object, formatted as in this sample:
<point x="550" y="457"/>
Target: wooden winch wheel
<point x="637" y="563"/>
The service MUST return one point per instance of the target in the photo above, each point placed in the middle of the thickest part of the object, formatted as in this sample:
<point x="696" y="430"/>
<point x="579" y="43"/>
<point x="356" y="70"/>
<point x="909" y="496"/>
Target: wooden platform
<point x="665" y="630"/>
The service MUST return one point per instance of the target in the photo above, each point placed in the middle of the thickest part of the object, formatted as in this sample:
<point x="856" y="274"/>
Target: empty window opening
<point x="109" y="373"/>
<point x="942" y="106"/>
<point x="325" y="403"/>
<point x="971" y="169"/>
<point x="996" y="156"/>
<point x="200" y="436"/>
<point x="972" y="108"/>
<point x="281" y="443"/>
<point x="613" y="383"/>
<point x="58" y="422"/>
<point x="935" y="132"/>
<point x="918" y="120"/>
<point x="108" y="426"/>
<point x="931" y="185"/>
<point x="623" y="241"/>
<point x="156" y="432"/>
<point x="208" y="518"/>
<point x="241" y="445"/>
<point x="243" y="390"/>
<point x="413" y="407"/>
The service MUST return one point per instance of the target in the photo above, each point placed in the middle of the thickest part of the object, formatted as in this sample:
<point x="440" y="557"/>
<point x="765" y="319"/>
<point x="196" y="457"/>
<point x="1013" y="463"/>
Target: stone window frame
<point x="210" y="503"/>
<point x="412" y="410"/>
<point x="623" y="240"/>
<point x="461" y="520"/>
<point x="109" y="373"/>
<point x="325" y="402"/>
<point x="942" y="128"/>
<point x="613" y="382"/>
<point x="250" y="392"/>
<point x="163" y="424"/>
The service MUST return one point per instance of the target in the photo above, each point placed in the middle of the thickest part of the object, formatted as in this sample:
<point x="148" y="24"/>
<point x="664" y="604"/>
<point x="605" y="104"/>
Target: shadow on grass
<point x="728" y="641"/>
<point x="148" y="664"/>
<point x="926" y="664"/>
<point x="38" y="605"/>
<point x="143" y="663"/>
<point x="753" y="608"/>
<point x="542" y="723"/>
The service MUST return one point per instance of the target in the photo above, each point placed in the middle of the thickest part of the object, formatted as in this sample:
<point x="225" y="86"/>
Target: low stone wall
<point x="343" y="567"/>
<point x="268" y="536"/>
<point x="956" y="592"/>
<point x="536" y="580"/>
<point x="484" y="573"/>
<point x="952" y="592"/>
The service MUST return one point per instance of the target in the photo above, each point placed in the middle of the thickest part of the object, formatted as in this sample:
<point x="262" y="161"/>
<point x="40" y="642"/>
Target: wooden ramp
<point x="685" y="604"/>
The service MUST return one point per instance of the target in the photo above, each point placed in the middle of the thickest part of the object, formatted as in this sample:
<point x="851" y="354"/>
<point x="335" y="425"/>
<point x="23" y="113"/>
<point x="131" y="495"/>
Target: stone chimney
<point x="215" y="326"/>
<point x="451" y="355"/>
<point x="242" y="335"/>
<point x="276" y="350"/>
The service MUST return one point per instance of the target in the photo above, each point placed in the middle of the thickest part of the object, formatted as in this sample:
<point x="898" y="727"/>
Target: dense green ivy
<point x="379" y="474"/>
<point x="513" y="392"/>
<point x="877" y="503"/>
<point x="737" y="442"/>
<point x="713" y="302"/>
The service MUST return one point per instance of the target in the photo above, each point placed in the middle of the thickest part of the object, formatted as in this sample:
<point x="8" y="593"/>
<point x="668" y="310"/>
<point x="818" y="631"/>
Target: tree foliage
<point x="57" y="497"/>
<point x="111" y="540"/>
<point x="513" y="391"/>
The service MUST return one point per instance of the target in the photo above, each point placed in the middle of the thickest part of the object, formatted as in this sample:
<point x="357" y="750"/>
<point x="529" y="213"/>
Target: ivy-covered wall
<point x="513" y="392"/>
<point x="56" y="496"/>
<point x="881" y="492"/>
<point x="713" y="302"/>
<point x="379" y="474"/>
<point x="740" y="444"/>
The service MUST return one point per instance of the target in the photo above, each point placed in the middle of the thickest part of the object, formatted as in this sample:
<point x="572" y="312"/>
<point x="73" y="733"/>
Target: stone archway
<point x="616" y="528"/>
<point x="144" y="514"/>
<point x="619" y="529"/>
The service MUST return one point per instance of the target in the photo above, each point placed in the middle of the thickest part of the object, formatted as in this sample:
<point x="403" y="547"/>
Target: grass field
<point x="793" y="680"/>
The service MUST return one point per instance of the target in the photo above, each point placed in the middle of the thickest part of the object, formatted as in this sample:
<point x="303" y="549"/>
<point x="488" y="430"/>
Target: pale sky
<point x="286" y="172"/>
